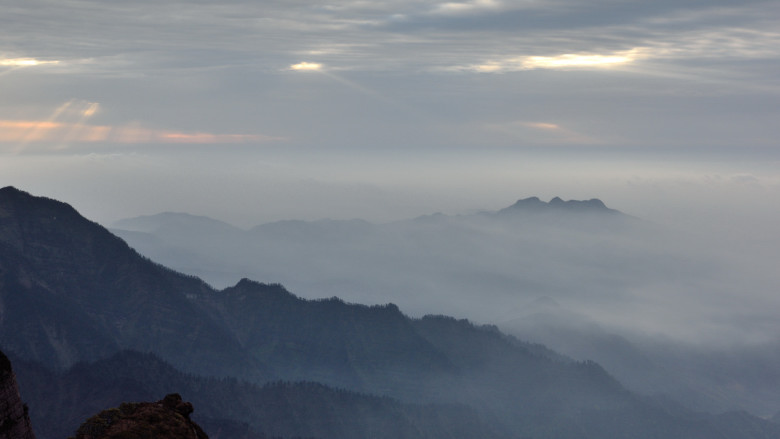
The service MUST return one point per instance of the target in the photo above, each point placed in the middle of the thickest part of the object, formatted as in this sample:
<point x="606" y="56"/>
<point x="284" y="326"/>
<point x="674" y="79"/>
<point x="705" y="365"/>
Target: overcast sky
<point x="251" y="111"/>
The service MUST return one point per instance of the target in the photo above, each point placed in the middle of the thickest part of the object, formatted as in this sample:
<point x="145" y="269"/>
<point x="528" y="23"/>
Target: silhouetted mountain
<point x="535" y="205"/>
<point x="73" y="292"/>
<point x="370" y="348"/>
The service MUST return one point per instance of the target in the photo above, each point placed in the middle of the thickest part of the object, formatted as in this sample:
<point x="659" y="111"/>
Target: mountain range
<point x="512" y="254"/>
<point x="89" y="323"/>
<point x="577" y="276"/>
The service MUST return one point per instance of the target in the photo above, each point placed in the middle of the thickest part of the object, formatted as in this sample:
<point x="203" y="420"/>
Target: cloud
<point x="207" y="138"/>
<point x="401" y="35"/>
<point x="544" y="133"/>
<point x="218" y="67"/>
<point x="24" y="132"/>
<point x="68" y="124"/>
<point x="42" y="131"/>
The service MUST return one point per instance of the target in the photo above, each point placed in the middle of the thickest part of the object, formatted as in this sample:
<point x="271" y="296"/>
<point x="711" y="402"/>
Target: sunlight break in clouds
<point x="24" y="62"/>
<point x="542" y="133"/>
<point x="306" y="66"/>
<point x="67" y="124"/>
<point x="24" y="132"/>
<point x="572" y="60"/>
<point x="459" y="8"/>
<point x="564" y="61"/>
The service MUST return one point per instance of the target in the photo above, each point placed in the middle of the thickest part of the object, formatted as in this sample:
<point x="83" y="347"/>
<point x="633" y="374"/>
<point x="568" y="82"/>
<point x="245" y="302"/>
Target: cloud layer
<point x="235" y="67"/>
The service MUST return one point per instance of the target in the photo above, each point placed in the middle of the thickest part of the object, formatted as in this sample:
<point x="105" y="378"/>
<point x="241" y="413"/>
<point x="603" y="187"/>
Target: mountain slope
<point x="372" y="348"/>
<point x="72" y="291"/>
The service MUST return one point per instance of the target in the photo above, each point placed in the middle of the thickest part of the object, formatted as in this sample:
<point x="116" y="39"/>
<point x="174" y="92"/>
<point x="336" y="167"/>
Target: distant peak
<point x="247" y="283"/>
<point x="529" y="200"/>
<point x="249" y="286"/>
<point x="534" y="204"/>
<point x="12" y="191"/>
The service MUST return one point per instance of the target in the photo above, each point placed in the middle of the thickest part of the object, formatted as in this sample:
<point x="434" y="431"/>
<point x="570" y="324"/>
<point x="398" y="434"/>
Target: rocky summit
<point x="534" y="204"/>
<point x="168" y="418"/>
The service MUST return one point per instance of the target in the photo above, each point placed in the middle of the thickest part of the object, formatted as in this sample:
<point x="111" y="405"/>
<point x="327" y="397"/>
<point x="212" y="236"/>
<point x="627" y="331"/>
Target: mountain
<point x="556" y="205"/>
<point x="427" y="265"/>
<point x="491" y="266"/>
<point x="173" y="222"/>
<point x="369" y="348"/>
<point x="73" y="293"/>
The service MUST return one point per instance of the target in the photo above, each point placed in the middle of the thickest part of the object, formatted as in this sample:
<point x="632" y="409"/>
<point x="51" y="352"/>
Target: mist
<point x="659" y="305"/>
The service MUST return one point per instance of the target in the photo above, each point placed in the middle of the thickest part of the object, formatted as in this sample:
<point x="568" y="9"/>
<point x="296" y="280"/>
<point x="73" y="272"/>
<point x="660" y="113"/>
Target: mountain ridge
<point x="52" y="255"/>
<point x="152" y="222"/>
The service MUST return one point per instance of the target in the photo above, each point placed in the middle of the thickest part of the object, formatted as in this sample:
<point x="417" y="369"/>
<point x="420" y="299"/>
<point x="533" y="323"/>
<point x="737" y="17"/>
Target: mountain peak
<point x="534" y="204"/>
<point x="556" y="200"/>
<point x="11" y="190"/>
<point x="528" y="202"/>
<point x="175" y="222"/>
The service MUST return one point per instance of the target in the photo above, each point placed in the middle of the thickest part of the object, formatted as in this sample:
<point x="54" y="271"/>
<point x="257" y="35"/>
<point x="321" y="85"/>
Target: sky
<point x="254" y="111"/>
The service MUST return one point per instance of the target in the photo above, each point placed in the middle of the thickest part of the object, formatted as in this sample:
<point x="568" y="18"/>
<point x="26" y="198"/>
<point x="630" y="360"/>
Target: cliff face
<point x="14" y="420"/>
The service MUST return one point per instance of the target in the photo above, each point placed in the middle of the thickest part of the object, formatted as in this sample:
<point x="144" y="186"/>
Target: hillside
<point x="72" y="292"/>
<point x="60" y="402"/>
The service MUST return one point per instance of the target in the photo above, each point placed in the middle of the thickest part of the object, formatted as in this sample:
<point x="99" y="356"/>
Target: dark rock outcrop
<point x="14" y="419"/>
<point x="168" y="418"/>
